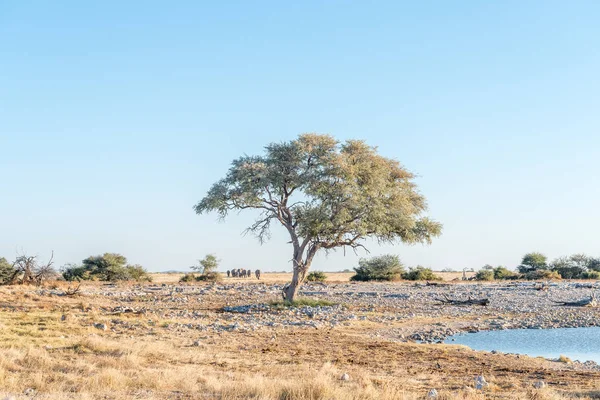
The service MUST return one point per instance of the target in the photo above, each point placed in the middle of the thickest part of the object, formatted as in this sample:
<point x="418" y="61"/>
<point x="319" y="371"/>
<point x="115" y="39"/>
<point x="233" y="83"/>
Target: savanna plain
<point x="236" y="339"/>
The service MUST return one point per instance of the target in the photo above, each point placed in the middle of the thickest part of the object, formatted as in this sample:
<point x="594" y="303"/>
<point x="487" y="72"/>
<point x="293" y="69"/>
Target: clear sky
<point x="117" y="116"/>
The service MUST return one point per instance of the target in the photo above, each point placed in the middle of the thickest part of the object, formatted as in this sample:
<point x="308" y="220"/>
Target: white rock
<point x="539" y="385"/>
<point x="345" y="377"/>
<point x="480" y="383"/>
<point x="433" y="394"/>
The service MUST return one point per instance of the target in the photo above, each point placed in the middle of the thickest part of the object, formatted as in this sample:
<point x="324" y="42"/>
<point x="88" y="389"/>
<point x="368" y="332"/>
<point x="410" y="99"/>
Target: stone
<point x="196" y="343"/>
<point x="64" y="317"/>
<point x="433" y="394"/>
<point x="102" y="327"/>
<point x="480" y="383"/>
<point x="345" y="377"/>
<point x="29" y="392"/>
<point x="539" y="385"/>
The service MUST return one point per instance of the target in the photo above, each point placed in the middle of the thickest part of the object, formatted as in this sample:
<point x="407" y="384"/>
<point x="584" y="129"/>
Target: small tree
<point x="533" y="262"/>
<point x="573" y="267"/>
<point x="383" y="268"/>
<point x="207" y="265"/>
<point x="28" y="270"/>
<point x="327" y="195"/>
<point x="107" y="267"/>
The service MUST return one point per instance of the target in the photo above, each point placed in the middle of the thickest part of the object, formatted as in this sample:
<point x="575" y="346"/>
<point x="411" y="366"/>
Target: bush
<point x="137" y="273"/>
<point x="421" y="274"/>
<point x="209" y="277"/>
<point x="502" y="273"/>
<point x="542" y="274"/>
<point x="316" y="276"/>
<point x="188" y="278"/>
<point x="73" y="272"/>
<point x="383" y="268"/>
<point x="7" y="271"/>
<point x="484" y="275"/>
<point x="591" y="275"/>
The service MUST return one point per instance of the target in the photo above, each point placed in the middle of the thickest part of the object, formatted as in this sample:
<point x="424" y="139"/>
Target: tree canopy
<point x="326" y="194"/>
<point x="532" y="262"/>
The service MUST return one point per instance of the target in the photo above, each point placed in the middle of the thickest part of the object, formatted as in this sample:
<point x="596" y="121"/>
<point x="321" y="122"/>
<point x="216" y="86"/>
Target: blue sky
<point x="116" y="117"/>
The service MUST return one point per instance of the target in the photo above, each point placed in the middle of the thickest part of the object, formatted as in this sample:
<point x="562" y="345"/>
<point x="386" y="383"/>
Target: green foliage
<point x="74" y="272"/>
<point x="301" y="302"/>
<point x="210" y="277"/>
<point x="541" y="274"/>
<point x="107" y="267"/>
<point x="591" y="275"/>
<point x="420" y="273"/>
<point x="533" y="262"/>
<point x="502" y="273"/>
<point x="7" y="271"/>
<point x="137" y="273"/>
<point x="208" y="264"/>
<point x="327" y="195"/>
<point x="487" y="267"/>
<point x="484" y="275"/>
<point x="383" y="268"/>
<point x="187" y="278"/>
<point x="575" y="266"/>
<point x="316" y="276"/>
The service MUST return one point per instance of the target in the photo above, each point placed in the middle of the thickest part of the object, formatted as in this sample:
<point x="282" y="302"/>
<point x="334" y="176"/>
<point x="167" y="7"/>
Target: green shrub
<point x="316" y="276"/>
<point x="591" y="275"/>
<point x="209" y="277"/>
<point x="188" y="278"/>
<point x="137" y="273"/>
<point x="502" y="273"/>
<point x="383" y="268"/>
<point x="541" y="274"/>
<point x="421" y="274"/>
<point x="484" y="275"/>
<point x="73" y="272"/>
<point x="7" y="271"/>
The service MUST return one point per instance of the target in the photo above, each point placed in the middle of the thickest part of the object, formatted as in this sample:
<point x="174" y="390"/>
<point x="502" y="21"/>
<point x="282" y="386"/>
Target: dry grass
<point x="70" y="358"/>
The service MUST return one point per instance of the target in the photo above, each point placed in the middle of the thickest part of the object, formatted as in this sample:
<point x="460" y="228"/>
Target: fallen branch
<point x="591" y="302"/>
<point x="72" y="291"/>
<point x="469" y="302"/>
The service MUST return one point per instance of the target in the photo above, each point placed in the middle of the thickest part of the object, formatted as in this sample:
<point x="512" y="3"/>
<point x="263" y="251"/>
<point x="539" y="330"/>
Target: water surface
<point x="581" y="344"/>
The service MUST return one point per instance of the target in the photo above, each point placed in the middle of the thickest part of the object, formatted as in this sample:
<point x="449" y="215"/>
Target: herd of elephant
<point x="242" y="273"/>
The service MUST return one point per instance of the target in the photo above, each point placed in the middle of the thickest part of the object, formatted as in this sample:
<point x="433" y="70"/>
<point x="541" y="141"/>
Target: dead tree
<point x="28" y="271"/>
<point x="72" y="291"/>
<point x="591" y="302"/>
<point x="469" y="302"/>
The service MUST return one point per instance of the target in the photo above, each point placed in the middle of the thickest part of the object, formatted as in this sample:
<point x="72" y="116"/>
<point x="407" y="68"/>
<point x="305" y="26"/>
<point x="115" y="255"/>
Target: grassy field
<point x="277" y="277"/>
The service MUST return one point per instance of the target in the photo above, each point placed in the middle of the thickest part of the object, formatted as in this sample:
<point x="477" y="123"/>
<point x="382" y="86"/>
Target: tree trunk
<point x="300" y="269"/>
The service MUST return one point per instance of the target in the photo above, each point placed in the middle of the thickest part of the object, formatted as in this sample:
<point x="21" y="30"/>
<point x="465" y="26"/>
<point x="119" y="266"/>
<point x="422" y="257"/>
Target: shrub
<point x="209" y="277"/>
<point x="542" y="274"/>
<point x="421" y="274"/>
<point x="383" y="268"/>
<point x="502" y="273"/>
<point x="591" y="275"/>
<point x="7" y="271"/>
<point x="138" y="273"/>
<point x="316" y="276"/>
<point x="188" y="278"/>
<point x="484" y="275"/>
<point x="73" y="272"/>
<point x="107" y="267"/>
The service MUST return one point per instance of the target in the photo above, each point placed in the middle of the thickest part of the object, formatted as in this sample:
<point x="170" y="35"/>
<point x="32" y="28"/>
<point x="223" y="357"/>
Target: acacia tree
<point x="327" y="195"/>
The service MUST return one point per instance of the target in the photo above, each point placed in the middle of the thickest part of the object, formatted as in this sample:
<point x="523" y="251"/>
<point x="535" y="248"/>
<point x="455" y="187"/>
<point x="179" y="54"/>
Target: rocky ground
<point x="403" y="312"/>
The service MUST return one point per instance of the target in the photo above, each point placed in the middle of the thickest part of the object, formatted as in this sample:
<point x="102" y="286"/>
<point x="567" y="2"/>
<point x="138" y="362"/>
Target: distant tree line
<point x="536" y="266"/>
